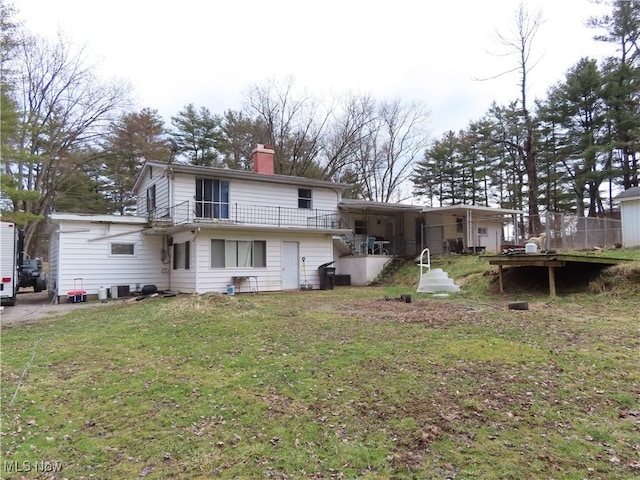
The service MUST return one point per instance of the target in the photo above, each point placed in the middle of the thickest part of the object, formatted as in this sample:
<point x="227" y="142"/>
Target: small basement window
<point x="122" y="249"/>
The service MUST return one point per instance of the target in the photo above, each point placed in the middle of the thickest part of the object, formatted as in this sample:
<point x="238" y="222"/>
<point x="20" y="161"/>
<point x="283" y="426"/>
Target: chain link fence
<point x="566" y="232"/>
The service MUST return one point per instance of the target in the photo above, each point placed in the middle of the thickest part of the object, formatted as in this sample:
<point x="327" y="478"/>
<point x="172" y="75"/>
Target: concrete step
<point x="436" y="280"/>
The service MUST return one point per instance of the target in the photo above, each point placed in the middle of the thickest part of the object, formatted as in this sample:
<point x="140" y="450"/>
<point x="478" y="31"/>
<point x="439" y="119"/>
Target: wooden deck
<point x="549" y="260"/>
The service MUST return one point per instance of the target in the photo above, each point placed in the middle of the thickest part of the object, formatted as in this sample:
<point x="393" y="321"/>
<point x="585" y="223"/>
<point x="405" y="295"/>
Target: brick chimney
<point x="263" y="159"/>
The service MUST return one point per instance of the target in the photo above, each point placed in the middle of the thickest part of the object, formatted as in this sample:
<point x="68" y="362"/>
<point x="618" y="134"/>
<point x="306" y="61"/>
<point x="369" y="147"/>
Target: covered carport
<point x="395" y="223"/>
<point x="466" y="228"/>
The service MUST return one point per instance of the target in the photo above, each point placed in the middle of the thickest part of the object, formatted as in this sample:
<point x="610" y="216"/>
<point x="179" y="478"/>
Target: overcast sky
<point x="208" y="52"/>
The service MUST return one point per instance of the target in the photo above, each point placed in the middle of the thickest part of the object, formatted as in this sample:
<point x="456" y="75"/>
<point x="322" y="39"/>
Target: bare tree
<point x="395" y="141"/>
<point x="63" y="109"/>
<point x="296" y="124"/>
<point x="520" y="43"/>
<point x="355" y="139"/>
<point x="347" y="130"/>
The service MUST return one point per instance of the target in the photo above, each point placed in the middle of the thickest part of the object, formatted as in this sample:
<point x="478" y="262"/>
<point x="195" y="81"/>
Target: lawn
<point x="347" y="383"/>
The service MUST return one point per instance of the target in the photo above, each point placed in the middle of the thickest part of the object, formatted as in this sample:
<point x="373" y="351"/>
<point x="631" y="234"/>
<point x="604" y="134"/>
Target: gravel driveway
<point x="31" y="307"/>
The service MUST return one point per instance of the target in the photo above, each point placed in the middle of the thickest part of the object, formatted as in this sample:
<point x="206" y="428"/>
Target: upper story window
<point x="151" y="198"/>
<point x="212" y="198"/>
<point x="304" y="198"/>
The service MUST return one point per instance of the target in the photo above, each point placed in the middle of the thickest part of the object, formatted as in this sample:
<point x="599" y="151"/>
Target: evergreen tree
<point x="197" y="134"/>
<point x="436" y="176"/>
<point x="132" y="139"/>
<point x="240" y="134"/>
<point x="578" y="111"/>
<point x="622" y="28"/>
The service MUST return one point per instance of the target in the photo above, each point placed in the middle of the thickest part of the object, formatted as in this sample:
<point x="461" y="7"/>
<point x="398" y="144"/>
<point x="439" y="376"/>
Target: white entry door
<point x="290" y="266"/>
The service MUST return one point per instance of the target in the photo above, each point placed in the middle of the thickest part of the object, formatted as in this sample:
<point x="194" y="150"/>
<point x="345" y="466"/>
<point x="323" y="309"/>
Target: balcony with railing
<point x="215" y="213"/>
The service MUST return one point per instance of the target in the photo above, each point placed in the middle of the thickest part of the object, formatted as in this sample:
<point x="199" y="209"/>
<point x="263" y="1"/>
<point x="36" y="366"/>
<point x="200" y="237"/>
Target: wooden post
<point x="552" y="282"/>
<point x="500" y="278"/>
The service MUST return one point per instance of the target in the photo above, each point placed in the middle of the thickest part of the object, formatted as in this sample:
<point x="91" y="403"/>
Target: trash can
<point x="327" y="276"/>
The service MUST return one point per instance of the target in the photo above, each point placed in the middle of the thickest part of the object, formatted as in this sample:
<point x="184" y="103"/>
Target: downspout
<point x="170" y="200"/>
<point x="193" y="252"/>
<point x="171" y="212"/>
<point x="54" y="293"/>
<point x="166" y="257"/>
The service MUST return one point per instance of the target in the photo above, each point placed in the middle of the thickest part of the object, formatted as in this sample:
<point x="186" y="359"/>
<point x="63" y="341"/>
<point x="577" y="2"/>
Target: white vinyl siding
<point x="54" y="249"/>
<point x="243" y="192"/>
<point x="159" y="182"/>
<point x="184" y="280"/>
<point x="84" y="256"/>
<point x="316" y="248"/>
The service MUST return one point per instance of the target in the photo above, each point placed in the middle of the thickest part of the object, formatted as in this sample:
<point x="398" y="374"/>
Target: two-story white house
<point x="203" y="229"/>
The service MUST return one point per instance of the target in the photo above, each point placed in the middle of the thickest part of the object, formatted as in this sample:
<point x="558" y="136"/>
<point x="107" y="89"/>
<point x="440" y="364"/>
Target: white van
<point x="8" y="263"/>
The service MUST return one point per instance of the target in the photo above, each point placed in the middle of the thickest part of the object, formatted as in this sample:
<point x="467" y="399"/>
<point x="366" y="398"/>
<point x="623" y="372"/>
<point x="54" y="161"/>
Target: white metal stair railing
<point x="343" y="244"/>
<point x="422" y="264"/>
<point x="435" y="280"/>
<point x="348" y="243"/>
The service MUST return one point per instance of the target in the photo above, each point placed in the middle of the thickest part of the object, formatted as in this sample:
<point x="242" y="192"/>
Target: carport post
<point x="500" y="278"/>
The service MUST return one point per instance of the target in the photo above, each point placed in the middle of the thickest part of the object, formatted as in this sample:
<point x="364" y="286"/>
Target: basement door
<point x="290" y="266"/>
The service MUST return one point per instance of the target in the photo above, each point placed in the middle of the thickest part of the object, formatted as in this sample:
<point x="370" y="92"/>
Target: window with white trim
<point x="181" y="256"/>
<point x="482" y="231"/>
<point x="122" y="249"/>
<point x="238" y="253"/>
<point x="151" y="198"/>
<point x="304" y="198"/>
<point x="212" y="198"/>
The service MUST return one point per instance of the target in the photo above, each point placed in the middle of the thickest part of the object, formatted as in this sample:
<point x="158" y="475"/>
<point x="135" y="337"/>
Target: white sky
<point x="207" y="52"/>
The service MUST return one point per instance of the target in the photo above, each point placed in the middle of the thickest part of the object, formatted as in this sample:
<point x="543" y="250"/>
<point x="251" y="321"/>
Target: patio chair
<point x="371" y="245"/>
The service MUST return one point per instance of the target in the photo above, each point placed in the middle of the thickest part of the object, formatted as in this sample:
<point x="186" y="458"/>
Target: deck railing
<point x="189" y="212"/>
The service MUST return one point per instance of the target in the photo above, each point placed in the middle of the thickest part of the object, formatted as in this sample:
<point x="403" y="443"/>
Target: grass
<point x="332" y="384"/>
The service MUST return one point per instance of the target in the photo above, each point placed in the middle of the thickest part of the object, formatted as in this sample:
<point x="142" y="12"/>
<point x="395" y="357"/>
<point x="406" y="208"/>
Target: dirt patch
<point x="429" y="311"/>
<point x="31" y="307"/>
